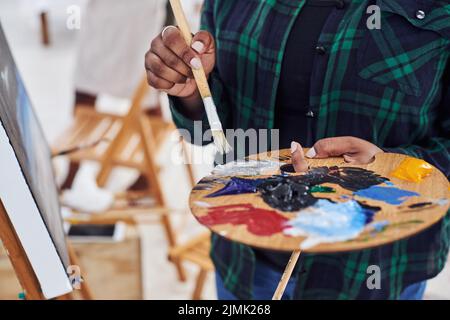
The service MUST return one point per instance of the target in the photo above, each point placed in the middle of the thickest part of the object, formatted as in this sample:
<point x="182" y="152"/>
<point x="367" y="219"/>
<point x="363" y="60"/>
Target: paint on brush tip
<point x="247" y="168"/>
<point x="390" y="195"/>
<point x="260" y="222"/>
<point x="329" y="222"/>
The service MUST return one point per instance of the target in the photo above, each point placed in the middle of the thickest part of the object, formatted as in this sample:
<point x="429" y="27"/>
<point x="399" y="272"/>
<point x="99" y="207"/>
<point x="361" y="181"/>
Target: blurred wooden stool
<point x="195" y="251"/>
<point x="131" y="141"/>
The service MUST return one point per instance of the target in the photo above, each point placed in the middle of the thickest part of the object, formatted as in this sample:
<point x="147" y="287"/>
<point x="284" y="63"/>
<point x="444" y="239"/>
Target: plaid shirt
<point x="386" y="86"/>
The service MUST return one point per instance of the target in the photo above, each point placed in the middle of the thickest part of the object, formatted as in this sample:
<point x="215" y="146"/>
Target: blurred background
<point x="82" y="62"/>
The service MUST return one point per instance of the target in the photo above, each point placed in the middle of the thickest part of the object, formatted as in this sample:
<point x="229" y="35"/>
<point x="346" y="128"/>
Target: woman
<point x="318" y="73"/>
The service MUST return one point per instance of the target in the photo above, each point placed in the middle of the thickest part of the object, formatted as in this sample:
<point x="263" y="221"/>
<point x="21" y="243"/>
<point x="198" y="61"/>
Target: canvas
<point x="27" y="186"/>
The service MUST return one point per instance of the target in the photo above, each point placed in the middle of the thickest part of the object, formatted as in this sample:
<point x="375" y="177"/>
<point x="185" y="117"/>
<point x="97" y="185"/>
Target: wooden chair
<point x="195" y="251"/>
<point x="131" y="141"/>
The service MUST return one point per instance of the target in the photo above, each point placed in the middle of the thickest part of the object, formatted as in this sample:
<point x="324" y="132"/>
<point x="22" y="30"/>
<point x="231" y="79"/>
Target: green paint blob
<point x="322" y="189"/>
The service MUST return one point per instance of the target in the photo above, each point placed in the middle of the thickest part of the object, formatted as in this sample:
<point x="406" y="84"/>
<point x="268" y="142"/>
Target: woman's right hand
<point x="169" y="61"/>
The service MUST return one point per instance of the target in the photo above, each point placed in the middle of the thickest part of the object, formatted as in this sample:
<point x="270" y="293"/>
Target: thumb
<point x="298" y="158"/>
<point x="203" y="42"/>
<point x="330" y="147"/>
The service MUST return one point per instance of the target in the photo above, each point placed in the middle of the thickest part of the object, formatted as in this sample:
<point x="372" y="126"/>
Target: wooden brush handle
<point x="199" y="75"/>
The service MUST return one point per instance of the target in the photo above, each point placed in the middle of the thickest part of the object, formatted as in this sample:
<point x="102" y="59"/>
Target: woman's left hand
<point x="354" y="151"/>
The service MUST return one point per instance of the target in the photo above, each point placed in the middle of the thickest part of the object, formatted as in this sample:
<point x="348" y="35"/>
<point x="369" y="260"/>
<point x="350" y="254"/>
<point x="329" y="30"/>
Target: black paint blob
<point x="285" y="194"/>
<point x="420" y="205"/>
<point x="292" y="193"/>
<point x="349" y="178"/>
<point x="287" y="168"/>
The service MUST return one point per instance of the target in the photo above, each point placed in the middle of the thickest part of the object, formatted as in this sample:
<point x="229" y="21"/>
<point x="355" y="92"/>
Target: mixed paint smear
<point x="238" y="186"/>
<point x="247" y="168"/>
<point x="260" y="222"/>
<point x="328" y="222"/>
<point x="319" y="220"/>
<point x="349" y="178"/>
<point x="292" y="193"/>
<point x="209" y="183"/>
<point x="390" y="195"/>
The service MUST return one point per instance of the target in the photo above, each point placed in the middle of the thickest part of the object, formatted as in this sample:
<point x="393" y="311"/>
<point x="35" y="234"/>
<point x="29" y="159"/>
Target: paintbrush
<point x="202" y="83"/>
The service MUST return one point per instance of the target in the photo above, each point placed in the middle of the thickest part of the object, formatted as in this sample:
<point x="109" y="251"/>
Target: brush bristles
<point x="221" y="142"/>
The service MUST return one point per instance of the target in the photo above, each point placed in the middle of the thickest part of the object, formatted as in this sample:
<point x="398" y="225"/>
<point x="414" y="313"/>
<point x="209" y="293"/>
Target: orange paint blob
<point x="413" y="170"/>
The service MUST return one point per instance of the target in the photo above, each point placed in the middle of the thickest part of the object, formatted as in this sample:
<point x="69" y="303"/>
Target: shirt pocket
<point x="404" y="53"/>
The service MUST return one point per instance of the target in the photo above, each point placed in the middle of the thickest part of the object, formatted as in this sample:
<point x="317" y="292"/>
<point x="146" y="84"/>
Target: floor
<point x="47" y="74"/>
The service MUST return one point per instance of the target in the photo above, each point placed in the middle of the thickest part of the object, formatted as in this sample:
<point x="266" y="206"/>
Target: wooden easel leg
<point x="197" y="295"/>
<point x="22" y="267"/>
<point x="286" y="275"/>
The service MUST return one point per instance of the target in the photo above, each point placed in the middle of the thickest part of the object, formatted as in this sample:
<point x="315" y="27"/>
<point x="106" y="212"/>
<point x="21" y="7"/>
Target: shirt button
<point x="420" y="14"/>
<point x="310" y="114"/>
<point x="321" y="50"/>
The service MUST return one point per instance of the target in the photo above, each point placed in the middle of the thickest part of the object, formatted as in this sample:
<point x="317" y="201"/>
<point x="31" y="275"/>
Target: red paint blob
<point x="260" y="222"/>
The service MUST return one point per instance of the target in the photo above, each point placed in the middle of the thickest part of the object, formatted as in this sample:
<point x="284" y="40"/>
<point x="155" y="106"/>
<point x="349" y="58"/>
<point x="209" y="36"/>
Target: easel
<point x="22" y="267"/>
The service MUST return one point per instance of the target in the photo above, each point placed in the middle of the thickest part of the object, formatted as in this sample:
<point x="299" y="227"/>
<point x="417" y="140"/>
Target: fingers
<point x="298" y="158"/>
<point x="157" y="82"/>
<point x="158" y="67"/>
<point x="354" y="150"/>
<point x="170" y="59"/>
<point x="203" y="42"/>
<point x="174" y="41"/>
<point x="331" y="147"/>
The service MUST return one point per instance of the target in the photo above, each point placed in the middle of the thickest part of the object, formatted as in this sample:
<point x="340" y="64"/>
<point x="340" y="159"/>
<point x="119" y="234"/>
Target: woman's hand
<point x="354" y="151"/>
<point x="169" y="61"/>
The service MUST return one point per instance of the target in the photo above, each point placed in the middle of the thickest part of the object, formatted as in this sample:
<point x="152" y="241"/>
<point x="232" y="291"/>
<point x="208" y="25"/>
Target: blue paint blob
<point x="390" y="195"/>
<point x="327" y="222"/>
<point x="238" y="186"/>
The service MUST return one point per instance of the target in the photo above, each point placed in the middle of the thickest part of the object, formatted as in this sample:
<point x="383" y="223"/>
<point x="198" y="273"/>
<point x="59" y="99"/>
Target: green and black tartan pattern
<point x="388" y="86"/>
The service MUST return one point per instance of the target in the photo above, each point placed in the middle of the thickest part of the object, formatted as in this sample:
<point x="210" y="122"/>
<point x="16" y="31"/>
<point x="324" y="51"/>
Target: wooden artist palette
<point x="266" y="226"/>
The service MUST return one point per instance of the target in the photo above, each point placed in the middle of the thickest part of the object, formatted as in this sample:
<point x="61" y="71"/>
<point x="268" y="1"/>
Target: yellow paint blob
<point x="413" y="170"/>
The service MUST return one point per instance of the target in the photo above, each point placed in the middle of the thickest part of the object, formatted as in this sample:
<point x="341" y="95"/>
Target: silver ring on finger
<point x="167" y="28"/>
